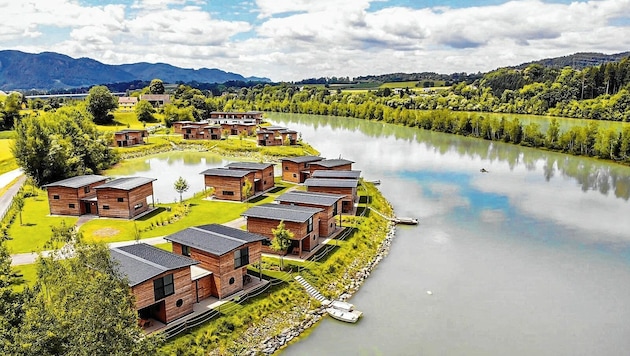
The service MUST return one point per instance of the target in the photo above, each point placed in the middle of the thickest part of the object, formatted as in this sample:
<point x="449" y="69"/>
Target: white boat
<point x="338" y="304"/>
<point x="342" y="315"/>
<point x="406" y="221"/>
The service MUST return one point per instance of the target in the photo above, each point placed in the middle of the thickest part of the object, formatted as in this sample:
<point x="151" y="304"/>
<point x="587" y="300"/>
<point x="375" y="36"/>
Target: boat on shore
<point x="343" y="315"/>
<point x="338" y="304"/>
<point x="405" y="221"/>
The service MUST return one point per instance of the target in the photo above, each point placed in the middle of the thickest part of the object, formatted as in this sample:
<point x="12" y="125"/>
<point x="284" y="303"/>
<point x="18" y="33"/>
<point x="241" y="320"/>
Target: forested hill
<point x="579" y="60"/>
<point x="48" y="70"/>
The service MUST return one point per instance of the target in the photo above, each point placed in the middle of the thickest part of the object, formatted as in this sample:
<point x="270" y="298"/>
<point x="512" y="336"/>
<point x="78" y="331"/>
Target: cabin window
<point x="86" y="189"/>
<point x="186" y="250"/>
<point x="241" y="257"/>
<point x="105" y="207"/>
<point x="335" y="209"/>
<point x="227" y="192"/>
<point x="266" y="242"/>
<point x="294" y="175"/>
<point x="232" y="280"/>
<point x="309" y="228"/>
<point x="270" y="174"/>
<point x="71" y="206"/>
<point x="120" y="200"/>
<point x="138" y="206"/>
<point x="286" y="168"/>
<point x="163" y="287"/>
<point x="56" y="197"/>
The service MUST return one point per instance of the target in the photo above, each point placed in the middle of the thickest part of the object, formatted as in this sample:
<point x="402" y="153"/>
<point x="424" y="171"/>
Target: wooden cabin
<point x="124" y="197"/>
<point x="329" y="203"/>
<point x="336" y="174"/>
<point x="223" y="251"/>
<point x="276" y="136"/>
<point x="263" y="174"/>
<point x="237" y="128"/>
<point x="331" y="164"/>
<point x="228" y="183"/>
<point x="296" y="169"/>
<point x="346" y="187"/>
<point x="213" y="132"/>
<point x="177" y="126"/>
<point x="221" y="117"/>
<point x="129" y="137"/>
<point x="159" y="280"/>
<point x="74" y="196"/>
<point x="301" y="220"/>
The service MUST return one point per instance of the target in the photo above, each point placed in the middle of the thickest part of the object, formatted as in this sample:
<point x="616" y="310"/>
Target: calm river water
<point x="532" y="258"/>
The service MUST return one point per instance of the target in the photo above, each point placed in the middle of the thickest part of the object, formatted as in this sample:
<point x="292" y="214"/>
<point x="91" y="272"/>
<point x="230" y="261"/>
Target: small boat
<point x="406" y="221"/>
<point x="375" y="182"/>
<point x="338" y="304"/>
<point x="483" y="170"/>
<point x="347" y="316"/>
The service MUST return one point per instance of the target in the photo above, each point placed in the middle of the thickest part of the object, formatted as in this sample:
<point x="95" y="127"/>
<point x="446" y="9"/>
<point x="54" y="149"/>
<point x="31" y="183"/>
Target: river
<point x="531" y="258"/>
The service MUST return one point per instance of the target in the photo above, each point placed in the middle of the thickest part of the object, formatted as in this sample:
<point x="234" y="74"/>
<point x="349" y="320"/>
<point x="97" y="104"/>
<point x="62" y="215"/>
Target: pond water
<point x="531" y="258"/>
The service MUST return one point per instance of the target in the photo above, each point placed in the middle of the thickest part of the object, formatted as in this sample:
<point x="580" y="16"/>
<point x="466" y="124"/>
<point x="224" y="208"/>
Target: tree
<point x="11" y="304"/>
<point x="81" y="306"/>
<point x="156" y="87"/>
<point x="181" y="185"/>
<point x="100" y="102"/>
<point x="18" y="200"/>
<point x="10" y="110"/>
<point x="247" y="189"/>
<point x="281" y="240"/>
<point x="144" y="111"/>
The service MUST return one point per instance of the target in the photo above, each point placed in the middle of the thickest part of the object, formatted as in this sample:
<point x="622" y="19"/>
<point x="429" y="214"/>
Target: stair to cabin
<point x="311" y="290"/>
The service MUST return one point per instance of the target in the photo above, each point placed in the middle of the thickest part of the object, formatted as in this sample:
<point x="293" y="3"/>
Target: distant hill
<point x="48" y="70"/>
<point x="578" y="60"/>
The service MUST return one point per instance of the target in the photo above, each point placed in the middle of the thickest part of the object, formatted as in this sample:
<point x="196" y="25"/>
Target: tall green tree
<point x="100" y="102"/>
<point x="144" y="111"/>
<point x="81" y="306"/>
<point x="281" y="241"/>
<point x="156" y="86"/>
<point x="181" y="185"/>
<point x="11" y="304"/>
<point x="10" y="110"/>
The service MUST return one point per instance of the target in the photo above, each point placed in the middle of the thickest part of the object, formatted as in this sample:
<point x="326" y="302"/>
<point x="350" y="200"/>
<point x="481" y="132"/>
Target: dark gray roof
<point x="336" y="174"/>
<point x="215" y="239"/>
<point x="329" y="163"/>
<point x="331" y="182"/>
<point x="298" y="196"/>
<point x="249" y="165"/>
<point x="126" y="183"/>
<point x="222" y="172"/>
<point x="141" y="262"/>
<point x="292" y="213"/>
<point x="303" y="159"/>
<point x="77" y="182"/>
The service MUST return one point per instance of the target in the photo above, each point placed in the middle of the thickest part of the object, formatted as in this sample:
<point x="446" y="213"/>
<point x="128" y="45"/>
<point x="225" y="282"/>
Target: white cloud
<point x="292" y="40"/>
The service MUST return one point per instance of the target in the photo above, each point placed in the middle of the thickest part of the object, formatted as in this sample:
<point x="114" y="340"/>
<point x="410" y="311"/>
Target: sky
<point x="290" y="40"/>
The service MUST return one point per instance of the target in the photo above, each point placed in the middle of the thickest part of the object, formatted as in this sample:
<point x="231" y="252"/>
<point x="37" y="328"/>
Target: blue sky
<point x="297" y="39"/>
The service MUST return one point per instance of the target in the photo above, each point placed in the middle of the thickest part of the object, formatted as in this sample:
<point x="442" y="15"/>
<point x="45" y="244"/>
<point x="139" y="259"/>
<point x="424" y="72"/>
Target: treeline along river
<point x="530" y="258"/>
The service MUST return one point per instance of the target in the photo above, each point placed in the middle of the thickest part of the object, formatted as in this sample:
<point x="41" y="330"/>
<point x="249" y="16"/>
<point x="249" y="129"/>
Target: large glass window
<point x="163" y="287"/>
<point x="241" y="257"/>
<point x="309" y="228"/>
<point x="186" y="250"/>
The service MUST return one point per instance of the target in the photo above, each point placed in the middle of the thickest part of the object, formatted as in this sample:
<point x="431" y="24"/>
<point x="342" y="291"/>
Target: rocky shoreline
<point x="271" y="345"/>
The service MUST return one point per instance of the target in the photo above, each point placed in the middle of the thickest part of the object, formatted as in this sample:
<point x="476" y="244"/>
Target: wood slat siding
<point x="237" y="129"/>
<point x="266" y="177"/>
<point x="264" y="226"/>
<point x="292" y="172"/>
<point x="123" y="139"/>
<point x="231" y="184"/>
<point x="327" y="221"/>
<point x="124" y="209"/>
<point x="145" y="295"/>
<point x="316" y="167"/>
<point x="222" y="268"/>
<point x="347" y="204"/>
<point x="69" y="196"/>
<point x="203" y="287"/>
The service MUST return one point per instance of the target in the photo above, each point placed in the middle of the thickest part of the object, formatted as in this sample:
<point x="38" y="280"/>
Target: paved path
<point x="7" y="197"/>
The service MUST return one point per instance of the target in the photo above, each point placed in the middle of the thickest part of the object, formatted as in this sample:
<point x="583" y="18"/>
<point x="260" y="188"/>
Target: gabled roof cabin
<point x="74" y="196"/>
<point x="129" y="137"/>
<point x="224" y="251"/>
<point x="295" y="169"/>
<point x="159" y="280"/>
<point x="228" y="183"/>
<point x="124" y="197"/>
<point x="263" y="174"/>
<point x="329" y="203"/>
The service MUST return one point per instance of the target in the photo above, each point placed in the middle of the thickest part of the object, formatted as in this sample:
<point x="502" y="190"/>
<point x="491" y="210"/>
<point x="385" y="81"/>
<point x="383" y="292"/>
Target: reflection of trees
<point x="589" y="173"/>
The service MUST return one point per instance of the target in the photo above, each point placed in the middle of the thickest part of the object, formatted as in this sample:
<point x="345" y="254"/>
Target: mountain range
<point x="49" y="70"/>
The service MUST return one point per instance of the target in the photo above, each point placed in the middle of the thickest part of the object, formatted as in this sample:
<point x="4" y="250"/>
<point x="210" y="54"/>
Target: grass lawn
<point x="28" y="275"/>
<point x="128" y="119"/>
<point x="35" y="231"/>
<point x="7" y="161"/>
<point x="165" y="246"/>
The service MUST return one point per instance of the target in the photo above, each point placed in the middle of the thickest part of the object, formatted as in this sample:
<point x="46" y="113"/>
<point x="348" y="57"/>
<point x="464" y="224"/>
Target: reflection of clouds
<point x="448" y="197"/>
<point x="493" y="216"/>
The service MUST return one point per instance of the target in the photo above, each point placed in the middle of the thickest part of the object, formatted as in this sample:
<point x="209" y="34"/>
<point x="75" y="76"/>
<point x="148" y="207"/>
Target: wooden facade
<point x="228" y="185"/>
<point x="345" y="187"/>
<point x="330" y="205"/>
<point x="239" y="128"/>
<point x="125" y="138"/>
<point x="296" y="169"/>
<point x="157" y="100"/>
<point x="74" y="196"/>
<point x="331" y="164"/>
<point x="124" y="197"/>
<point x="166" y="309"/>
<point x="276" y="136"/>
<point x="263" y="174"/>
<point x="221" y="117"/>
